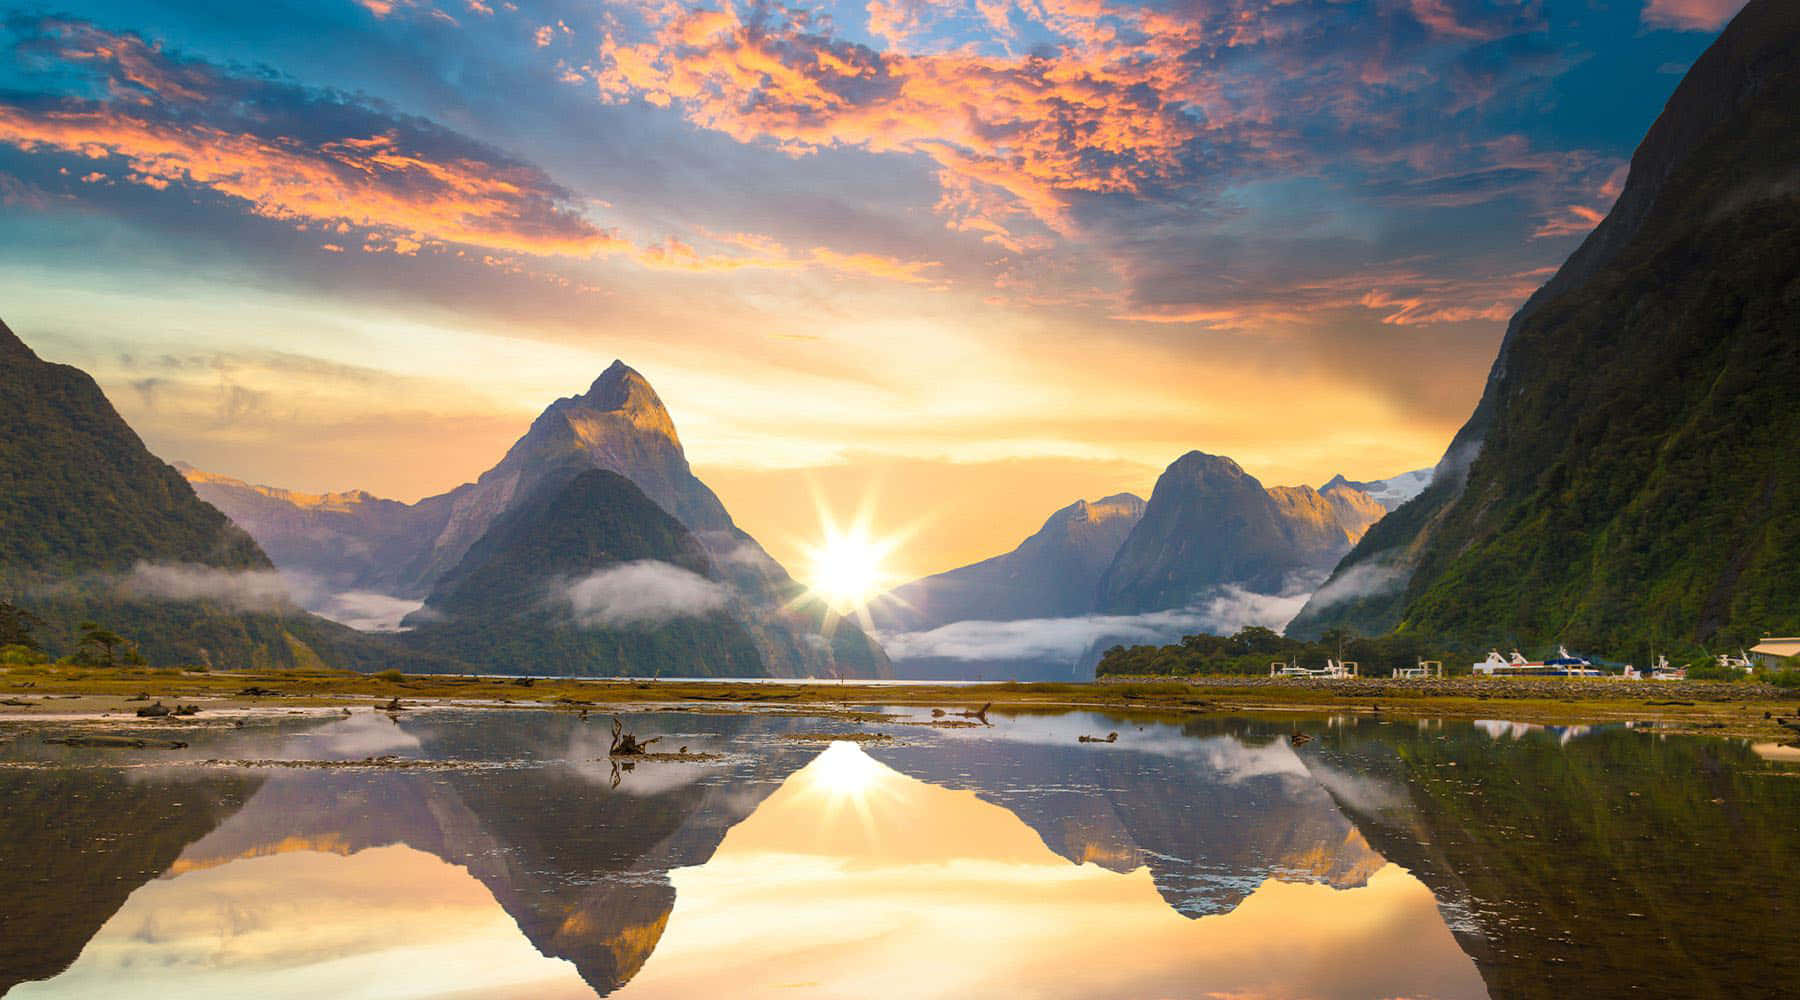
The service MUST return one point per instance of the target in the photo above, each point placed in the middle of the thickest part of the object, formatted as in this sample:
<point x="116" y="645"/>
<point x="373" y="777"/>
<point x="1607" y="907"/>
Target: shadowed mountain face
<point x="1627" y="476"/>
<point x="1209" y="523"/>
<point x="618" y="425"/>
<point x="590" y="576"/>
<point x="84" y="505"/>
<point x="1052" y="574"/>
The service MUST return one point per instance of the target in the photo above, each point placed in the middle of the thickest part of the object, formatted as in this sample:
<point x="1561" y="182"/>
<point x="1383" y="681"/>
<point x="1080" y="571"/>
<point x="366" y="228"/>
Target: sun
<point x="846" y="569"/>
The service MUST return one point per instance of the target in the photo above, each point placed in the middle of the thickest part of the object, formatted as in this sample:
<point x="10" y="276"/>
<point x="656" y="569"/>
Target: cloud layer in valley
<point x="643" y="594"/>
<point x="1079" y="640"/>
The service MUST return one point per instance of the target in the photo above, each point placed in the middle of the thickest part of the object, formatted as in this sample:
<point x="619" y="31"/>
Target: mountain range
<point x="1207" y="524"/>
<point x="1628" y="476"/>
<point x="359" y="542"/>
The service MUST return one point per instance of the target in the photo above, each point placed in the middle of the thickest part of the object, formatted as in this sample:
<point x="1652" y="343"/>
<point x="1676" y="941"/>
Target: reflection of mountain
<point x="1618" y="858"/>
<point x="579" y="866"/>
<point x="858" y="880"/>
<point x="1212" y="812"/>
<point x="75" y="844"/>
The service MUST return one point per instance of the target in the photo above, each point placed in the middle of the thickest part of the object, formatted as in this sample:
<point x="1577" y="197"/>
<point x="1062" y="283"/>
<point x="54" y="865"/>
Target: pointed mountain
<point x="1628" y="475"/>
<point x="619" y="425"/>
<point x="95" y="528"/>
<point x="1209" y="523"/>
<point x="1052" y="574"/>
<point x="587" y="577"/>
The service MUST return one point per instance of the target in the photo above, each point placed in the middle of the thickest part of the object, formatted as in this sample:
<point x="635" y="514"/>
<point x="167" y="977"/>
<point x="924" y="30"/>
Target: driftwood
<point x="524" y="682"/>
<point x="1108" y="738"/>
<point x="979" y="714"/>
<point x="392" y="706"/>
<point x="181" y="709"/>
<point x="155" y="710"/>
<point x="115" y="741"/>
<point x="625" y="744"/>
<point x="257" y="692"/>
<point x="1300" y="739"/>
<point x="16" y="702"/>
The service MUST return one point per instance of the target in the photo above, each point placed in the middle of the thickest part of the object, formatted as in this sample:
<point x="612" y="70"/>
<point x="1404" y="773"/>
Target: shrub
<point x="1788" y="679"/>
<point x="21" y="656"/>
<point x="391" y="676"/>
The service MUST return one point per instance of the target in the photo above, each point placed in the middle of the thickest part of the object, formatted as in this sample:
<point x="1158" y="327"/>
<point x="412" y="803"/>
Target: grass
<point x="1742" y="709"/>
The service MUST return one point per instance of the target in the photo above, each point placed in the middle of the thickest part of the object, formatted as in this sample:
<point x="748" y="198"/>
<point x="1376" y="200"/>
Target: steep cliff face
<point x="1627" y="476"/>
<point x="1052" y="574"/>
<point x="1209" y="523"/>
<point x="84" y="505"/>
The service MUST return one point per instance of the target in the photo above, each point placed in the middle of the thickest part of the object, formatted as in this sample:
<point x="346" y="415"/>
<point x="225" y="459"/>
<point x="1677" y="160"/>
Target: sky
<point x="965" y="261"/>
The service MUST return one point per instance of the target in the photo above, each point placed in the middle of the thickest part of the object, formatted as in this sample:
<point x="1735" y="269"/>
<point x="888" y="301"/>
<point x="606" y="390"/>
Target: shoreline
<point x="110" y="697"/>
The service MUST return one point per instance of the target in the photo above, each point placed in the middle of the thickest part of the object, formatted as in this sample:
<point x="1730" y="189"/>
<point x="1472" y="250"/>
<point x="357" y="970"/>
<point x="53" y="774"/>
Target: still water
<point x="1199" y="859"/>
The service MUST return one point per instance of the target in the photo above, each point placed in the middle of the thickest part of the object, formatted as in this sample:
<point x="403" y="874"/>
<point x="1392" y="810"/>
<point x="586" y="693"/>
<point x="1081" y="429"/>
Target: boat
<point x="1563" y="664"/>
<point x="1663" y="672"/>
<point x="1739" y="662"/>
<point x="1332" y="669"/>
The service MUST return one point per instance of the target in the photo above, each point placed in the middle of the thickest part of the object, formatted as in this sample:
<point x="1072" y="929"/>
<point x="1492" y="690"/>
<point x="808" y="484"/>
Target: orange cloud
<point x="368" y="181"/>
<point x="1099" y="117"/>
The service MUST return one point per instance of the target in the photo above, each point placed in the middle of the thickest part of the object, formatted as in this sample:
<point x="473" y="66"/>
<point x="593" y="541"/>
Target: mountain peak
<point x="622" y="391"/>
<point x="11" y="346"/>
<point x="620" y="387"/>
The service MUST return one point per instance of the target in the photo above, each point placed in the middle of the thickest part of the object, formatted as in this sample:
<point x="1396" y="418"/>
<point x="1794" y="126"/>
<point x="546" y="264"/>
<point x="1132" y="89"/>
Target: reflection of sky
<point x="387" y="922"/>
<point x="854" y="880"/>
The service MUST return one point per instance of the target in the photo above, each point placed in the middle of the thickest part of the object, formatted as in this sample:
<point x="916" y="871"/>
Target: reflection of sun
<point x="843" y="771"/>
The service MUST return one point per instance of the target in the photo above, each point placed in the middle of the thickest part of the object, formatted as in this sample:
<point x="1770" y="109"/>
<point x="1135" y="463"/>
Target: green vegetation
<point x="505" y="607"/>
<point x="1251" y="650"/>
<point x="1636" y="481"/>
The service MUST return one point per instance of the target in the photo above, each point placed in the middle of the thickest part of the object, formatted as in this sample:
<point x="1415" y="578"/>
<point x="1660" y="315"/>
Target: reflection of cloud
<point x="864" y="869"/>
<point x="366" y="734"/>
<point x="389" y="921"/>
<point x="646" y="592"/>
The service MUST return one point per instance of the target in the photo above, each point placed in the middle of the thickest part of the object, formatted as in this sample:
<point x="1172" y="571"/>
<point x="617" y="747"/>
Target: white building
<point x="1772" y="653"/>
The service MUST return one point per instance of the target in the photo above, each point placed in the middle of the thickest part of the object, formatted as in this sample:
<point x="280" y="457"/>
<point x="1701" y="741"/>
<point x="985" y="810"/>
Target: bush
<point x="1711" y="671"/>
<point x="391" y="676"/>
<point x="1788" y="679"/>
<point x="22" y="656"/>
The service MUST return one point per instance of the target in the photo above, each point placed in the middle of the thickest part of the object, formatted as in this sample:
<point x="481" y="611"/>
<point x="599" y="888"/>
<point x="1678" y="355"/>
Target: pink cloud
<point x="1691" y="15"/>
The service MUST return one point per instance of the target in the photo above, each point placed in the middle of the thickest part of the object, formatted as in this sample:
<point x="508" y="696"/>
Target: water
<point x="1212" y="857"/>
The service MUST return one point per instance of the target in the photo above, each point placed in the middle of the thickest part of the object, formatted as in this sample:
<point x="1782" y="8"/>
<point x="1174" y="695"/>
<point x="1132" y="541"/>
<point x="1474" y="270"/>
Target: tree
<point x="16" y="625"/>
<point x="94" y="636"/>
